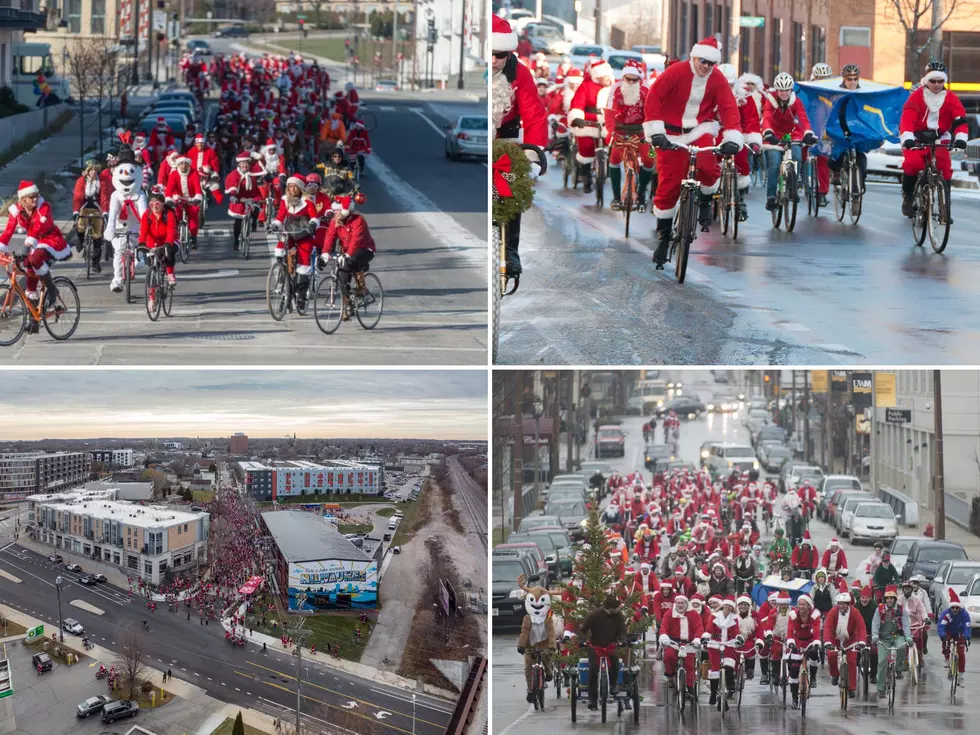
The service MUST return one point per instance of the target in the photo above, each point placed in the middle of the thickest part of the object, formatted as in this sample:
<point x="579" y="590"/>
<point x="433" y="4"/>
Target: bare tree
<point x="643" y="25"/>
<point x="130" y="662"/>
<point x="82" y="68"/>
<point x="917" y="16"/>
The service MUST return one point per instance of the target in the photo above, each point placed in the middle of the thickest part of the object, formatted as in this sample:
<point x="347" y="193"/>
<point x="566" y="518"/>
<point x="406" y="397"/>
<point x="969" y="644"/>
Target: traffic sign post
<point x="751" y="21"/>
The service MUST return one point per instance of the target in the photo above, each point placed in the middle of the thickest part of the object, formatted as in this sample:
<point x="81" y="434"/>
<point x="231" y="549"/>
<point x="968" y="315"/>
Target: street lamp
<point x="59" y="580"/>
<point x="413" y="714"/>
<point x="538" y="410"/>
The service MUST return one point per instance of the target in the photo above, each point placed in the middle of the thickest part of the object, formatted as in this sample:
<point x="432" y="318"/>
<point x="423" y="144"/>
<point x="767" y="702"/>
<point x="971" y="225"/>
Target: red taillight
<point x="462" y="136"/>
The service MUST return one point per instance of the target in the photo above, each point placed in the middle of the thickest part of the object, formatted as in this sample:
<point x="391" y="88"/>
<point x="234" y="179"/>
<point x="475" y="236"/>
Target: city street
<point x="827" y="293"/>
<point x="917" y="709"/>
<point x="428" y="218"/>
<point x="201" y="656"/>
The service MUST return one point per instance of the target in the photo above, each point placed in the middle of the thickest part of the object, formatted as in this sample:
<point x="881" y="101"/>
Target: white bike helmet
<point x="730" y="72"/>
<point x="821" y="71"/>
<point x="783" y="82"/>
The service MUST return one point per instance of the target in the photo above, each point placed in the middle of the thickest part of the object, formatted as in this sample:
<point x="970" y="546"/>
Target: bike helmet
<point x="314" y="179"/>
<point x="783" y="82"/>
<point x="850" y="70"/>
<point x="90" y="163"/>
<point x="821" y="71"/>
<point x="936" y="65"/>
<point x="730" y="72"/>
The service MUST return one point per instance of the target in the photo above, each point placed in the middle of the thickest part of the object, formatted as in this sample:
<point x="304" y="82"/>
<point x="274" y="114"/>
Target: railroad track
<point x="474" y="499"/>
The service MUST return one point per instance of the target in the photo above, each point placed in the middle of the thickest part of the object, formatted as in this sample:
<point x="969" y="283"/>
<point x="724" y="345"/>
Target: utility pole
<point x="554" y="445"/>
<point x="792" y="432"/>
<point x="937" y="388"/>
<point x="517" y="459"/>
<point x="462" y="40"/>
<point x="936" y="43"/>
<point x="598" y="21"/>
<point x="806" y="416"/>
<point x="299" y="634"/>
<point x="571" y="420"/>
<point x="135" y="20"/>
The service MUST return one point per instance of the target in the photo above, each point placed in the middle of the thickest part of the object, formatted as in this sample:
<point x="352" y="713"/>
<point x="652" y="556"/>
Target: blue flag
<point x="871" y="112"/>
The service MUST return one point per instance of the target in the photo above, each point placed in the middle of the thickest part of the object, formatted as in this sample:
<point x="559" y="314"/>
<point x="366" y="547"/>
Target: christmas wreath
<point x="513" y="191"/>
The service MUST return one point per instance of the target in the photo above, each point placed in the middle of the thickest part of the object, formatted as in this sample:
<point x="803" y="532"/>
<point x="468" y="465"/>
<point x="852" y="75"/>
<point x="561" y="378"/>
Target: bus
<point x="649" y="395"/>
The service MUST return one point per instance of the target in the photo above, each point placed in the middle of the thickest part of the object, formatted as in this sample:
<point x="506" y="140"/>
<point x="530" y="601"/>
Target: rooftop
<point x="300" y="464"/>
<point x="105" y="493"/>
<point x="303" y="536"/>
<point x="133" y="514"/>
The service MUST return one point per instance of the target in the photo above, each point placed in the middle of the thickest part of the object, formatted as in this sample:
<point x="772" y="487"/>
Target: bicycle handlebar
<point x="542" y="160"/>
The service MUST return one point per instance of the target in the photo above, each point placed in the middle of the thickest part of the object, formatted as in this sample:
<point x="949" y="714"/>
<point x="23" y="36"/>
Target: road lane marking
<point x="440" y="131"/>
<point x="82" y="605"/>
<point x="7" y="575"/>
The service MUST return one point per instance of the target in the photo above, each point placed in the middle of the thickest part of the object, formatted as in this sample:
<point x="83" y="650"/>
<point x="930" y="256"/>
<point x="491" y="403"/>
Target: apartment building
<point x="142" y="540"/>
<point x="114" y="457"/>
<point x="25" y="474"/>
<point x="271" y="481"/>
<point x="238" y="444"/>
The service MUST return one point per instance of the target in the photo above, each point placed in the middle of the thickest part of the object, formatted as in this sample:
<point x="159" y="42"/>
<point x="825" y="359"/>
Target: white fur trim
<point x="744" y="182"/>
<point x="43" y="270"/>
<point x="654" y="127"/>
<point x="61" y="254"/>
<point x="575" y="114"/>
<point x="962" y="136"/>
<point x="586" y="132"/>
<point x="733" y="135"/>
<point x="753" y="138"/>
<point x="705" y="189"/>
<point x="934" y="75"/>
<point x="30" y="241"/>
<point x="27" y="191"/>
<point x="664" y="213"/>
<point x="907" y="135"/>
<point x="602" y="69"/>
<point x="504" y="41"/>
<point x="692" y="108"/>
<point x="704" y="51"/>
<point x="708" y="127"/>
<point x="582" y="159"/>
<point x="304" y="270"/>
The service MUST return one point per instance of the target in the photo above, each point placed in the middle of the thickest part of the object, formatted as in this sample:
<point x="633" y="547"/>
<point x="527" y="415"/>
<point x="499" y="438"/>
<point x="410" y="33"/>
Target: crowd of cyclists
<point x="279" y="144"/>
<point x="688" y="551"/>
<point x="698" y="104"/>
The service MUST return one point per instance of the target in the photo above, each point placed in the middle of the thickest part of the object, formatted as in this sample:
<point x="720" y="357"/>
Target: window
<point x="719" y="28"/>
<point x="115" y="558"/>
<point x="855" y="36"/>
<point x="75" y="16"/>
<point x="132" y="562"/>
<point x="694" y="26"/>
<point x="777" y="50"/>
<point x="679" y="51"/>
<point x="818" y="44"/>
<point x="185" y="528"/>
<point x="799" y="51"/>
<point x="163" y="566"/>
<point x="148" y="568"/>
<point x="709" y="19"/>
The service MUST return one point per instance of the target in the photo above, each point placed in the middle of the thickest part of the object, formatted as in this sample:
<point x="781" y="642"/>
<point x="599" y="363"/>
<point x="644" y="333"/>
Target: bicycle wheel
<point x="497" y="281"/>
<point x="804" y="687"/>
<point x="87" y="250"/>
<point x="890" y="683"/>
<point x="369" y="305"/>
<point x="167" y="297"/>
<point x="857" y="198"/>
<point x="841" y="195"/>
<point x="153" y="294"/>
<point x="686" y="237"/>
<point x="183" y="235"/>
<point x="539" y="689"/>
<point x="739" y="686"/>
<point x="939" y="221"/>
<point x="807" y="190"/>
<point x="573" y="694"/>
<point x="954" y="675"/>
<point x="791" y="200"/>
<point x="129" y="267"/>
<point x="368" y="118"/>
<point x="61" y="320"/>
<point x="635" y="696"/>
<point x="629" y="194"/>
<point x="278" y="291"/>
<point x="328" y="304"/>
<point x="600" y="182"/>
<point x="843" y="690"/>
<point x="13" y="315"/>
<point x="245" y="237"/>
<point x="913" y="662"/>
<point x="680" y="684"/>
<point x="783" y="680"/>
<point x="815" y="186"/>
<point x="557" y="674"/>
<point x="777" y="212"/>
<point x="603" y="693"/>
<point x="921" y="210"/>
<point x="726" y="210"/>
<point x="568" y="165"/>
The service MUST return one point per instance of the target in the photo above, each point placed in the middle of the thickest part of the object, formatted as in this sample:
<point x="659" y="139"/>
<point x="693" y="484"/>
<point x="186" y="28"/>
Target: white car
<point x="955" y="574"/>
<point x="874" y="521"/>
<point x="73" y="626"/>
<point x="886" y="161"/>
<point x="970" y="597"/>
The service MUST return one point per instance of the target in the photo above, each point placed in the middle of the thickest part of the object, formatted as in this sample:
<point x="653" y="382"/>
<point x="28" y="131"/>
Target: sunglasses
<point x="851" y="79"/>
<point x="705" y="62"/>
<point x="501" y="54"/>
<point x="935" y="81"/>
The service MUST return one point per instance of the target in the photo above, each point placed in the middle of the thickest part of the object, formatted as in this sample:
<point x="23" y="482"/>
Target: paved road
<point x="428" y="217"/>
<point x="918" y="710"/>
<point x="200" y="655"/>
<point x="828" y="293"/>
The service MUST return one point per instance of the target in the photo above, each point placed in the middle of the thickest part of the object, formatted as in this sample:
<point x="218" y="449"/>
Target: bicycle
<point x="848" y="187"/>
<point x="679" y="681"/>
<point x="16" y="308"/>
<point x="333" y="301"/>
<point x="159" y="291"/>
<point x="804" y="685"/>
<point x="600" y="167"/>
<point x="740" y="677"/>
<point x="183" y="231"/>
<point x="631" y="165"/>
<point x="686" y="219"/>
<point x="843" y="669"/>
<point x="603" y="653"/>
<point x="281" y="288"/>
<point x="245" y="235"/>
<point x="129" y="263"/>
<point x="954" y="670"/>
<point x="499" y="252"/>
<point x="811" y="185"/>
<point x="537" y="679"/>
<point x="728" y="196"/>
<point x="891" y="669"/>
<point x="914" y="653"/>
<point x="782" y="680"/>
<point x="787" y="186"/>
<point x="759" y="174"/>
<point x="364" y="116"/>
<point x="930" y="202"/>
<point x="723" y="679"/>
<point x="92" y="215"/>
<point x="562" y="148"/>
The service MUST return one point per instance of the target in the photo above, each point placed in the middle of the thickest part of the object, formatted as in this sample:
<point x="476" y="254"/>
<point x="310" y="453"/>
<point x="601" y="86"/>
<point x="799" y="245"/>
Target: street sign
<point x="173" y="30"/>
<point x="35" y="632"/>
<point x="6" y="686"/>
<point x="751" y="21"/>
<point x="898" y="415"/>
<point x="300" y="17"/>
<point x="160" y="20"/>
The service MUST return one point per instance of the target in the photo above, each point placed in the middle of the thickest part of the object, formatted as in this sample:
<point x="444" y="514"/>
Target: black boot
<point x="743" y="212"/>
<point x="194" y="242"/>
<point x="713" y="699"/>
<point x="813" y="677"/>
<point x="750" y="668"/>
<point x="705" y="217"/>
<point x="795" y="691"/>
<point x="236" y="232"/>
<point x="664" y="227"/>
<point x="764" y="667"/>
<point x="513" y="242"/>
<point x="908" y="191"/>
<point x="50" y="290"/>
<point x="302" y="285"/>
<point x="654" y="181"/>
<point x="730" y="682"/>
<point x="97" y="256"/>
<point x="770" y="203"/>
<point x="585" y="174"/>
<point x="949" y="199"/>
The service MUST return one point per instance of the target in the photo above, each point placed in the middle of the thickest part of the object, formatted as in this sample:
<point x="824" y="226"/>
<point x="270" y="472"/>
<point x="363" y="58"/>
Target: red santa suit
<point x="804" y="556"/>
<point x="201" y="156"/>
<point x="722" y="628"/>
<point x="516" y="105"/>
<point x="748" y="628"/>
<point x="562" y="71"/>
<point x="105" y="188"/>
<point x="589" y="105"/>
<point x="167" y="166"/>
<point x="85" y="189"/>
<point x="680" y="628"/>
<point x="778" y="625"/>
<point x="321" y="203"/>
<point x="833" y="560"/>
<point x="304" y="245"/>
<point x="802" y="632"/>
<point x="781" y="120"/>
<point x="690" y="109"/>
<point x="663" y="601"/>
<point x="844" y="630"/>
<point x="942" y="112"/>
<point x="43" y="236"/>
<point x="158" y="231"/>
<point x="186" y="186"/>
<point x="239" y="186"/>
<point x="161" y="140"/>
<point x="646" y="547"/>
<point x="751" y="125"/>
<point x="626" y="119"/>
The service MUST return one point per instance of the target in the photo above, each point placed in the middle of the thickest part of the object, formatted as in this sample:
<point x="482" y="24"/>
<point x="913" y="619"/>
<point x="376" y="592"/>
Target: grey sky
<point x="353" y="403"/>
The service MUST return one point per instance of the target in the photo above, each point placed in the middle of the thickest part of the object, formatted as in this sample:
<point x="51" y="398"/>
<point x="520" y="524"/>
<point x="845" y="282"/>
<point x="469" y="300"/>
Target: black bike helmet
<point x="850" y="69"/>
<point x="936" y="65"/>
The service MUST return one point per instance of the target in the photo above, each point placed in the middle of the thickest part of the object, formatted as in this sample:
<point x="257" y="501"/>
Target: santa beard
<point x="293" y="202"/>
<point x="630" y="93"/>
<point x="503" y="98"/>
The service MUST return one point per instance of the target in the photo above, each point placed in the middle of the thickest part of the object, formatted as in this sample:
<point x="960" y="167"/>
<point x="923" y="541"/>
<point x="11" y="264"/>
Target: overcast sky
<point x="437" y="404"/>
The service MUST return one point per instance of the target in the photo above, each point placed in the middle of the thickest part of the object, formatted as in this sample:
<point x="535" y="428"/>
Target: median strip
<point x="82" y="605"/>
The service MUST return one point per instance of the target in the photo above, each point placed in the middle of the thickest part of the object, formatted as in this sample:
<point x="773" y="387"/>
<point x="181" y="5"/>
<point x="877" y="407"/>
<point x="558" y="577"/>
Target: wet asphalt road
<point x="921" y="709"/>
<point x="828" y="293"/>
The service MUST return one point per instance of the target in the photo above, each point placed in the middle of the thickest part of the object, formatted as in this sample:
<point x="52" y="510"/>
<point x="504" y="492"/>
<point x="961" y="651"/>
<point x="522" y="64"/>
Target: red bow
<point x="500" y="167"/>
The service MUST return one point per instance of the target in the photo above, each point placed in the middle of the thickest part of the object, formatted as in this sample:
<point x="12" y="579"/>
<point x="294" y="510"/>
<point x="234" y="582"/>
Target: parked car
<point x="775" y="456"/>
<point x="231" y="32"/>
<point x="925" y="557"/>
<point x="727" y="458"/>
<point x="72" y="567"/>
<point x="198" y="46"/>
<point x="118" y="710"/>
<point x="873" y="521"/>
<point x="386" y="85"/>
<point x="955" y="574"/>
<point x="547" y="546"/>
<point x="547" y="39"/>
<point x="971" y="600"/>
<point x="686" y="407"/>
<point x="92" y="705"/>
<point x="563" y="546"/>
<point x="531" y="522"/>
<point x="572" y="514"/>
<point x="507" y="605"/>
<point x="804" y="474"/>
<point x="828" y="485"/>
<point x="610" y="441"/>
<point x="842" y="521"/>
<point x="886" y="160"/>
<point x="43" y="661"/>
<point x="583" y="52"/>
<point x="467" y="137"/>
<point x="56" y="558"/>
<point x="617" y="60"/>
<point x="88" y="579"/>
<point x="533" y="551"/>
<point x="838" y="499"/>
<point x="72" y="626"/>
<point x="899" y="550"/>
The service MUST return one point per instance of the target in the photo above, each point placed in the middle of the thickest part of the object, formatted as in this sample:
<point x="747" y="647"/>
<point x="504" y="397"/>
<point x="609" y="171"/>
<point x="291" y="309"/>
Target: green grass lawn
<point x="355" y="527"/>
<point x="499" y="535"/>
<point x="9" y="628"/>
<point x="416" y="515"/>
<point x="385" y="512"/>
<point x="333" y="48"/>
<point x="226" y="727"/>
<point x="333" y="629"/>
<point x="203" y="496"/>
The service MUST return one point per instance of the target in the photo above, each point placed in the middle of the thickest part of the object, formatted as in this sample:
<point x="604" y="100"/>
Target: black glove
<point x="908" y="143"/>
<point x="728" y="148"/>
<point x="142" y="245"/>
<point x="961" y="144"/>
<point x="74" y="217"/>
<point x="810" y="139"/>
<point x="578" y="123"/>
<point x="770" y="138"/>
<point x="520" y="650"/>
<point x="105" y="218"/>
<point x="659" y="140"/>
<point x="791" y="646"/>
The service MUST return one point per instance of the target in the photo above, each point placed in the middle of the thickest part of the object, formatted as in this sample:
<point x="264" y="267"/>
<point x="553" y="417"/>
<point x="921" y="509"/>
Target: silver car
<point x="467" y="137"/>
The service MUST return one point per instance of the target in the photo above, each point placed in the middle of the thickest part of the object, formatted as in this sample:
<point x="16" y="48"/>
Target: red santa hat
<point x="773" y="596"/>
<point x="645" y="567"/>
<point x="728" y="600"/>
<point x="954" y="599"/>
<point x="243" y="157"/>
<point x="834" y="542"/>
<point x="678" y="598"/>
<point x="783" y="599"/>
<point x="665" y="582"/>
<point x="26" y="189"/>
<point x="634" y="67"/>
<point x="575" y="76"/>
<point x="805" y="598"/>
<point x="183" y="159"/>
<point x="199" y="138"/>
<point x="161" y="122"/>
<point x="599" y="70"/>
<point x="806" y="535"/>
<point x="698" y="598"/>
<point x="504" y="38"/>
<point x="298" y="180"/>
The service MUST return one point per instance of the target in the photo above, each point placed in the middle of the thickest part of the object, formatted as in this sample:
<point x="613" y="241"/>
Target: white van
<point x="392" y="524"/>
<point x="28" y="60"/>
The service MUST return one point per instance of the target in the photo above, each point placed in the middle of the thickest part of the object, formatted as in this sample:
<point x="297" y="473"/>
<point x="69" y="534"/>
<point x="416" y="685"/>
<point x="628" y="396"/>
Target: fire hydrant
<point x="927" y="531"/>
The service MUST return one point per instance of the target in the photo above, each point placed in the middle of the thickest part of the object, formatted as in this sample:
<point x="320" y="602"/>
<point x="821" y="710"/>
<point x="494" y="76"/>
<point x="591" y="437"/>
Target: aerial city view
<point x="303" y="556"/>
<point x="758" y="551"/>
